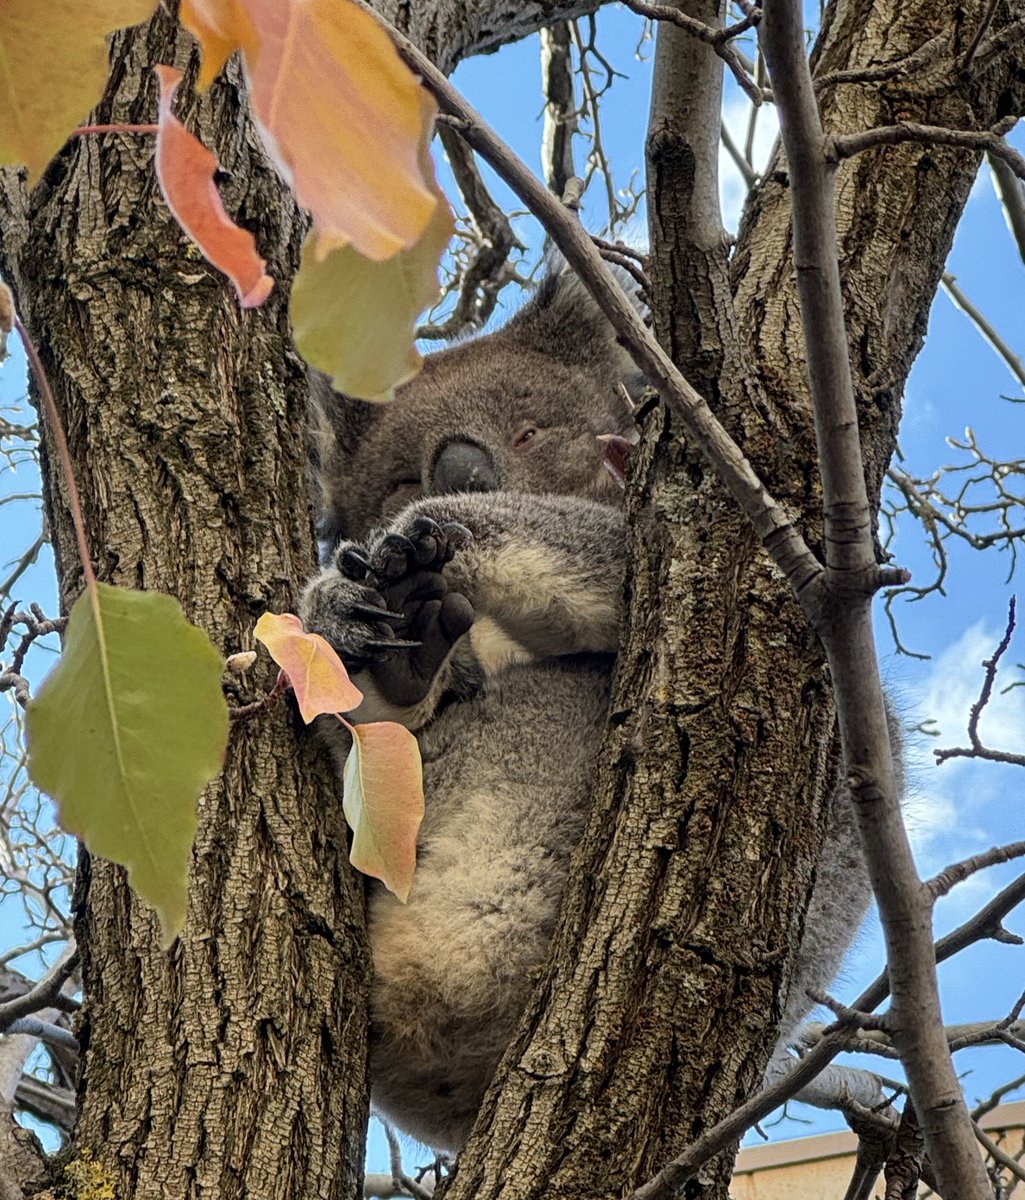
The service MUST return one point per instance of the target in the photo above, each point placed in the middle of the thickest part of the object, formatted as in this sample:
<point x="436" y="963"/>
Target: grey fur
<point x="508" y="710"/>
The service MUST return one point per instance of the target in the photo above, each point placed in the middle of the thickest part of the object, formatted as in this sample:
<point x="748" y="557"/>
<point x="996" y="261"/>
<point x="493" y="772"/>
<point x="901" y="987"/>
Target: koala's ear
<point x="562" y="319"/>
<point x="338" y="427"/>
<point x="338" y="423"/>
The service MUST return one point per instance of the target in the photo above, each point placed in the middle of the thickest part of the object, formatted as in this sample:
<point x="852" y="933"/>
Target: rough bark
<point x="234" y="1064"/>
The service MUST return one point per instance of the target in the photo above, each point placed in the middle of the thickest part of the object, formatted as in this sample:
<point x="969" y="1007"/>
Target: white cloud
<point x="964" y="806"/>
<point x="953" y="685"/>
<point x="732" y="188"/>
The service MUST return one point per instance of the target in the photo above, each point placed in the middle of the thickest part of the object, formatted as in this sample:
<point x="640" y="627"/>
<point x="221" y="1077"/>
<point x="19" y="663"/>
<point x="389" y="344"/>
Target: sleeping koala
<point x="477" y="598"/>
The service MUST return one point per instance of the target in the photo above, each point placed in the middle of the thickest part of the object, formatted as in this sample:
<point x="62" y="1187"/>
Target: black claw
<point x="354" y="566"/>
<point x="395" y="542"/>
<point x="426" y="526"/>
<point x="372" y="613"/>
<point x="393" y="645"/>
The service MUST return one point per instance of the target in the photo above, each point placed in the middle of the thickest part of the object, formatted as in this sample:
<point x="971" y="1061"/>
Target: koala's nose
<point x="463" y="467"/>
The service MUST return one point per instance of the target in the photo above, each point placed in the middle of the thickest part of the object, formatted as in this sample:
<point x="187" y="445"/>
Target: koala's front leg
<point x="387" y="609"/>
<point x="543" y="573"/>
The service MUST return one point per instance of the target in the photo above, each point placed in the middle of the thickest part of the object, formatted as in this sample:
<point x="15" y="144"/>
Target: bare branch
<point x="43" y="994"/>
<point x="45" y="1031"/>
<point x="846" y="631"/>
<point x="560" y="106"/>
<point x="997" y="1154"/>
<point x="957" y="873"/>
<point x="409" y="1186"/>
<point x="985" y="327"/>
<point x="739" y="161"/>
<point x="991" y="141"/>
<point x="718" y="39"/>
<point x="47" y="1102"/>
<point x="1011" y="191"/>
<point x="977" y="749"/>
<point x="487" y="271"/>
<point x="991" y="1102"/>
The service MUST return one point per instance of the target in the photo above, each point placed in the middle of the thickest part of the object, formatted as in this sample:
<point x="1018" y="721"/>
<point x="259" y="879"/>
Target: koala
<point x="474" y="589"/>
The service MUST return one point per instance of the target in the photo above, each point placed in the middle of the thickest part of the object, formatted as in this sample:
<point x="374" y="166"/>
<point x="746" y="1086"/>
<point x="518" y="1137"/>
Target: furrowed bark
<point x="234" y="1064"/>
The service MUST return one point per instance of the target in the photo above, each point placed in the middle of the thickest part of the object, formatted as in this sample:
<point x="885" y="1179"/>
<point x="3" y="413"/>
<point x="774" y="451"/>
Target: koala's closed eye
<point x="525" y="436"/>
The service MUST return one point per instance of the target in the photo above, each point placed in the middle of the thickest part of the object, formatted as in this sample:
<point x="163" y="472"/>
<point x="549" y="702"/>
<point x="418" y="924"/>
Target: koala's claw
<point x="352" y="565"/>
<point x="374" y="612"/>
<point x="395" y="616"/>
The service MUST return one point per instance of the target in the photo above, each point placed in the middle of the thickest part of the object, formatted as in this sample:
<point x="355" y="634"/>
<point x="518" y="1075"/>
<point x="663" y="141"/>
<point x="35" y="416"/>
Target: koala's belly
<point x="507" y="780"/>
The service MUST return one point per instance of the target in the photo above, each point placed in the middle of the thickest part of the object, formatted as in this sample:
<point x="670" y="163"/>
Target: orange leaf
<point x="185" y="169"/>
<point x="383" y="801"/>
<point x="53" y="69"/>
<point x="341" y="115"/>
<point x="221" y="27"/>
<point x="318" y="678"/>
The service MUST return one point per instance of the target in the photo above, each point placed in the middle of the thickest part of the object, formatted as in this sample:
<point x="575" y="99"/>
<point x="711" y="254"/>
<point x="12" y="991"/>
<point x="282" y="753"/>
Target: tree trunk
<point x="234" y="1064"/>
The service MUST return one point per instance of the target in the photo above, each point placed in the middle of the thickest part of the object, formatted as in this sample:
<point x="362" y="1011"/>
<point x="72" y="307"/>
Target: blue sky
<point x="957" y="809"/>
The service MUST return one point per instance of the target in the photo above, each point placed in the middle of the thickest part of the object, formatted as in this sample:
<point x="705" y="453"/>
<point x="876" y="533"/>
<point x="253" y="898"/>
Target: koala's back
<point x="507" y="776"/>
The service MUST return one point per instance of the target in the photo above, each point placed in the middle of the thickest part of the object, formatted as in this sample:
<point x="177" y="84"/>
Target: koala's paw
<point x="389" y="610"/>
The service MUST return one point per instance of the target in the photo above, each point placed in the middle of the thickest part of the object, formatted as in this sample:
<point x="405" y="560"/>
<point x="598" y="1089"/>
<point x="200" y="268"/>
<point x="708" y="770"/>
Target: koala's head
<point x="522" y="408"/>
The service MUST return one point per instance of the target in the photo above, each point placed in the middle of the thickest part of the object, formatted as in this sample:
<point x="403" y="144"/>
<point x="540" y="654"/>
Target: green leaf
<point x="355" y="318"/>
<point x="124" y="734"/>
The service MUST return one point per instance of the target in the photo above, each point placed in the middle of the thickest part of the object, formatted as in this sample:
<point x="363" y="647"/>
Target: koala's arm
<point x="538" y="577"/>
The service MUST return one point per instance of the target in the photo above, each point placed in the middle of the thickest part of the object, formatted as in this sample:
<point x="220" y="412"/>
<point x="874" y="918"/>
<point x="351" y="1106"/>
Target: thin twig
<point x="718" y="39"/>
<point x="985" y="327"/>
<point x="739" y="161"/>
<point x="991" y="665"/>
<point x="997" y="1154"/>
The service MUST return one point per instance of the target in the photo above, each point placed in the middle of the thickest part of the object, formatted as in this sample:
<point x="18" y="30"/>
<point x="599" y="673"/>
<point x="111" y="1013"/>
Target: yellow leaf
<point x="221" y="27"/>
<point x="53" y="69"/>
<point x="318" y="678"/>
<point x="383" y="801"/>
<point x="355" y="319"/>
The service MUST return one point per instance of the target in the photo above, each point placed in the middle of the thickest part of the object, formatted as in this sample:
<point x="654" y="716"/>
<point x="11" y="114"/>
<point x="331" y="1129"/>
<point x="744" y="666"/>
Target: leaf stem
<point x="63" y="454"/>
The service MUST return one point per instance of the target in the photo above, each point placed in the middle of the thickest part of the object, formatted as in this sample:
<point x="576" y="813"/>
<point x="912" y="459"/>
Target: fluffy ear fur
<point x="562" y="318"/>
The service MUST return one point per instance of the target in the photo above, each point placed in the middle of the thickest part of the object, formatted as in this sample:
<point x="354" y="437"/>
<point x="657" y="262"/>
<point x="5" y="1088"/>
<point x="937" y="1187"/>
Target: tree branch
<point x="845" y="621"/>
<point x="985" y="327"/>
<point x="43" y="994"/>
<point x="1011" y="191"/>
<point x="991" y="141"/>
